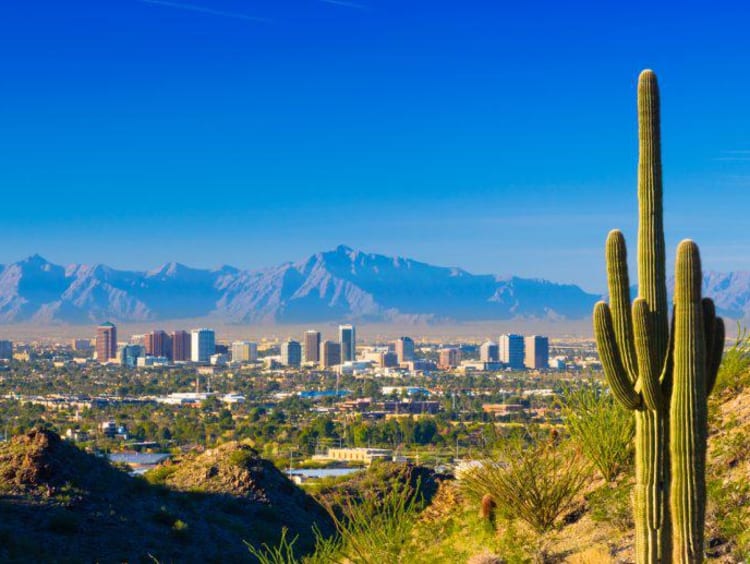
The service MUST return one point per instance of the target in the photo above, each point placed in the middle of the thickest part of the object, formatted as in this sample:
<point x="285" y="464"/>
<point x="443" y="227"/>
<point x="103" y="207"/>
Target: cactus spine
<point x="639" y="355"/>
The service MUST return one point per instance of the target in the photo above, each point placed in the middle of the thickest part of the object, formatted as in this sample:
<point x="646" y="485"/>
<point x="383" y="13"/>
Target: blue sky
<point x="500" y="137"/>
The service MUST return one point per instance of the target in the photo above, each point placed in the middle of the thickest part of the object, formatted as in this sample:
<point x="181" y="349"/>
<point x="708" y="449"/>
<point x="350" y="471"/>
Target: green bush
<point x="159" y="475"/>
<point x="600" y="427"/>
<point x="374" y="530"/>
<point x="734" y="373"/>
<point x="729" y="508"/>
<point x="242" y="457"/>
<point x="535" y="480"/>
<point x="611" y="504"/>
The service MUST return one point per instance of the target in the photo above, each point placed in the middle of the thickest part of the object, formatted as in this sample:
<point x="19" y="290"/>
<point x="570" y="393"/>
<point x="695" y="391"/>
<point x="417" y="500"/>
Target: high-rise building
<point x="312" y="346"/>
<point x="158" y="343"/>
<point x="81" y="345"/>
<point x="330" y="354"/>
<point x="291" y="353"/>
<point x="106" y="342"/>
<point x="348" y="342"/>
<point x="6" y="350"/>
<point x="449" y="358"/>
<point x="181" y="346"/>
<point x="202" y="345"/>
<point x="512" y="351"/>
<point x="388" y="359"/>
<point x="137" y="340"/>
<point x="537" y="352"/>
<point x="128" y="355"/>
<point x="489" y="352"/>
<point x="244" y="351"/>
<point x="404" y="349"/>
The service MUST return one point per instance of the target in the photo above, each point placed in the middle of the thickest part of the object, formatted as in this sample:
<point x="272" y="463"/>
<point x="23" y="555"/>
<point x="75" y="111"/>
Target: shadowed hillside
<point x="60" y="504"/>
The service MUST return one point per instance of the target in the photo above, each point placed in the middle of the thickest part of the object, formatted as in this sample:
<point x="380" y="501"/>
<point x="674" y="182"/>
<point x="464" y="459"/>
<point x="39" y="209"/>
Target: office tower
<point x="388" y="359"/>
<point x="512" y="351"/>
<point x="158" y="343"/>
<point x="404" y="349"/>
<point x="489" y="352"/>
<point x="330" y="354"/>
<point x="81" y="345"/>
<point x="537" y="352"/>
<point x="181" y="346"/>
<point x="106" y="342"/>
<point x="449" y="358"/>
<point x="6" y="350"/>
<point x="244" y="351"/>
<point x="137" y="340"/>
<point x="312" y="346"/>
<point x="128" y="355"/>
<point x="348" y="342"/>
<point x="202" y="345"/>
<point x="291" y="353"/>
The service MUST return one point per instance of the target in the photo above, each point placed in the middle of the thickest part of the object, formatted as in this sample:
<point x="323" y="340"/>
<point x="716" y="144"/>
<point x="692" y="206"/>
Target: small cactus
<point x="646" y="363"/>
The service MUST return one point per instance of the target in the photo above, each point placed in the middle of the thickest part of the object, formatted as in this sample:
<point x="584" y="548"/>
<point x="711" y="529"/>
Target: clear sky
<point x="497" y="136"/>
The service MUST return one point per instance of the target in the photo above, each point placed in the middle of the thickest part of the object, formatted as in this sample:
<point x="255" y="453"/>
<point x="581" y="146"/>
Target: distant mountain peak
<point x="34" y="260"/>
<point x="343" y="249"/>
<point x="329" y="286"/>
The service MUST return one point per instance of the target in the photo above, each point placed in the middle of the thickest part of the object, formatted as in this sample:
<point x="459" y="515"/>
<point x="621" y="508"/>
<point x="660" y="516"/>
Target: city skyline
<point x="502" y="125"/>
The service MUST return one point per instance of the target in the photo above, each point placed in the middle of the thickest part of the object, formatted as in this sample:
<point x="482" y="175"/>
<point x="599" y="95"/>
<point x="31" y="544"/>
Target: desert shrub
<point x="600" y="427"/>
<point x="729" y="509"/>
<point x="376" y="529"/>
<point x="535" y="480"/>
<point x="241" y="457"/>
<point x="160" y="474"/>
<point x="283" y="553"/>
<point x="611" y="504"/>
<point x="734" y="373"/>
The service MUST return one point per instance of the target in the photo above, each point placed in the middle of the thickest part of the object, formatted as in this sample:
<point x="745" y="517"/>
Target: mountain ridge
<point x="335" y="285"/>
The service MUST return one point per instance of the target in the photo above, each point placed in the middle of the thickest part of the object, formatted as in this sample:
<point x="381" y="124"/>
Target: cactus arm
<point x="619" y="298"/>
<point x="667" y="372"/>
<point x="644" y="344"/>
<point x="709" y="317"/>
<point x="717" y="350"/>
<point x="714" y="335"/>
<point x="652" y="284"/>
<point x="614" y="371"/>
<point x="688" y="410"/>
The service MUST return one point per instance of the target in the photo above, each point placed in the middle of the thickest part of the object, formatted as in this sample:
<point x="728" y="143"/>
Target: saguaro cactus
<point x="699" y="340"/>
<point x="637" y="350"/>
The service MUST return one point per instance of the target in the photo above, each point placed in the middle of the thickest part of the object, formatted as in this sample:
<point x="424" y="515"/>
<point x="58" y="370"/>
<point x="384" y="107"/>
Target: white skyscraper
<point x="202" y="344"/>
<point x="348" y="342"/>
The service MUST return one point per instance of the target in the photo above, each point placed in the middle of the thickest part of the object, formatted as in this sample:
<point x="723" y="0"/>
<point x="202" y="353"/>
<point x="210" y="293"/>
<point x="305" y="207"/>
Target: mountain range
<point x="337" y="285"/>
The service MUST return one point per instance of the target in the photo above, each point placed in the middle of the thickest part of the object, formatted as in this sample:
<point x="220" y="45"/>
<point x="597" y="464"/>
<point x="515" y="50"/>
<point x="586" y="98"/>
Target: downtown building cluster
<point x="511" y="351"/>
<point x="156" y="347"/>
